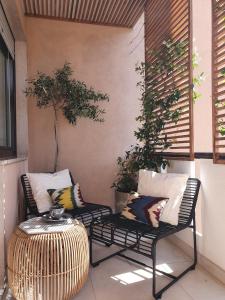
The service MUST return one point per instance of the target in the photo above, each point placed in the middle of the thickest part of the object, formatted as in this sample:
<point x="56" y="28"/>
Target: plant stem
<point x="56" y="139"/>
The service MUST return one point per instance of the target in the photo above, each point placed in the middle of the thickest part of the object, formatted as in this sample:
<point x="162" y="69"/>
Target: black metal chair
<point x="142" y="239"/>
<point x="85" y="214"/>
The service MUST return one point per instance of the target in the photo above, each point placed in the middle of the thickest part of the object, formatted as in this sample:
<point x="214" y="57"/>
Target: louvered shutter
<point x="218" y="62"/>
<point x="171" y="19"/>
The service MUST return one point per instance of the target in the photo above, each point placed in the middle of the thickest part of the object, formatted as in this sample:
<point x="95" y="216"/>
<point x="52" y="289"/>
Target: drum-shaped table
<point x="47" y="262"/>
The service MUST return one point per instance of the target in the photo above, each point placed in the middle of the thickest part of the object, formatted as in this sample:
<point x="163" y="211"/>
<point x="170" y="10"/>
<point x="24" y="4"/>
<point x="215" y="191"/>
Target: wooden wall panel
<point x="218" y="70"/>
<point x="171" y="19"/>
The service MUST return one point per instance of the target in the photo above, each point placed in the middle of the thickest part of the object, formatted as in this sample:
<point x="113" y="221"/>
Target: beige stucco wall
<point x="10" y="204"/>
<point x="10" y="171"/>
<point x="103" y="57"/>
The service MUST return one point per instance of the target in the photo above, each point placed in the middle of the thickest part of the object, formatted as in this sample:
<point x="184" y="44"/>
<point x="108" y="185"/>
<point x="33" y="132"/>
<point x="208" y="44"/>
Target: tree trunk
<point x="56" y="140"/>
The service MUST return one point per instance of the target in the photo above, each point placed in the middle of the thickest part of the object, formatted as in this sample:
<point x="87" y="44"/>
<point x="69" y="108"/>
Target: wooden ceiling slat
<point x="130" y="7"/>
<point x="109" y="11"/>
<point x="124" y="13"/>
<point x="82" y="9"/>
<point x="87" y="9"/>
<point x="46" y="7"/>
<point x="25" y="5"/>
<point x="135" y="11"/>
<point x="72" y="10"/>
<point x="116" y="8"/>
<point x="35" y="7"/>
<point x="91" y="5"/>
<point x="56" y="8"/>
<point x="50" y="8"/>
<point x="65" y="7"/>
<point x="32" y="7"/>
<point x="40" y="6"/>
<point x="95" y="7"/>
<point x="100" y="4"/>
<point x="135" y="16"/>
<point x="102" y="10"/>
<point x="78" y="9"/>
<point x="121" y="11"/>
<point x="69" y="7"/>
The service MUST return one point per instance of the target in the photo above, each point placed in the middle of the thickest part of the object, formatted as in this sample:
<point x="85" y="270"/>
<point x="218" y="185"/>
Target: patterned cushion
<point x="146" y="209"/>
<point x="70" y="197"/>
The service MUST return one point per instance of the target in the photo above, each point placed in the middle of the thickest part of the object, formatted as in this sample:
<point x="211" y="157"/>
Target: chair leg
<point x="155" y="295"/>
<point x="195" y="244"/>
<point x="153" y="270"/>
<point x="158" y="295"/>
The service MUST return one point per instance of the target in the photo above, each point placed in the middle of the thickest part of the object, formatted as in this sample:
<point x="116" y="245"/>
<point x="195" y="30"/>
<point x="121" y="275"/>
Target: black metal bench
<point x="85" y="214"/>
<point x="142" y="239"/>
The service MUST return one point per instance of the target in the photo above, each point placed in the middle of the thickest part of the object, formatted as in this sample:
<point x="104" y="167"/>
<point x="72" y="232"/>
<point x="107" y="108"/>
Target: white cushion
<point x="41" y="182"/>
<point x="167" y="185"/>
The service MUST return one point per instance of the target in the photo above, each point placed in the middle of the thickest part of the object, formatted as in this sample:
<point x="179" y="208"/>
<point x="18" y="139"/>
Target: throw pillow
<point x="145" y="209"/>
<point x="40" y="182"/>
<point x="167" y="185"/>
<point x="69" y="197"/>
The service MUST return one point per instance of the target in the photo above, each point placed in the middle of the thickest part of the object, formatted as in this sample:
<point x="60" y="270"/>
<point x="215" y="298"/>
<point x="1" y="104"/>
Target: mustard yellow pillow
<point x="69" y="197"/>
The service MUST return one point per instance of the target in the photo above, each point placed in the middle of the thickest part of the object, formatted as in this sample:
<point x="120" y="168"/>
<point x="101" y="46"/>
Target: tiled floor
<point x="117" y="279"/>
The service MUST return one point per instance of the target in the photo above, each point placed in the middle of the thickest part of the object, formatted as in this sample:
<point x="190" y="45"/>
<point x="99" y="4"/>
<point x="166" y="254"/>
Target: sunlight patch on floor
<point x="140" y="274"/>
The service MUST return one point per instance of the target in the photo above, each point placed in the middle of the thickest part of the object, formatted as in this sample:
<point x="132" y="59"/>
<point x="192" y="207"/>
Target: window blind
<point x="218" y="79"/>
<point x="6" y="33"/>
<point x="164" y="20"/>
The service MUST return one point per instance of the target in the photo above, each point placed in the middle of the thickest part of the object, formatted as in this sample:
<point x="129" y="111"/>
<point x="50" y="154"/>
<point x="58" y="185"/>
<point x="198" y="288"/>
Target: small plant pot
<point x="120" y="201"/>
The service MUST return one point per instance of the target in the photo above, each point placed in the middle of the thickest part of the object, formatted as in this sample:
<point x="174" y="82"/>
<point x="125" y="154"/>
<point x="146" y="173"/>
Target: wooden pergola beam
<point x="122" y="13"/>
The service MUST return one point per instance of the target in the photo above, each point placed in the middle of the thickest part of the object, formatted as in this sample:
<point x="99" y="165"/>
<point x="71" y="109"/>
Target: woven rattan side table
<point x="47" y="262"/>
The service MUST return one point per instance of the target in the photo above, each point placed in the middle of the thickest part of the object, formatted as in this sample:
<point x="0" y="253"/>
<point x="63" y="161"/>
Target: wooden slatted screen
<point x="218" y="73"/>
<point x="164" y="20"/>
<point x="124" y="13"/>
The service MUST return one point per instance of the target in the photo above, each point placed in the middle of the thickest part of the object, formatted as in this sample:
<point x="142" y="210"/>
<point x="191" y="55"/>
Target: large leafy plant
<point x="72" y="97"/>
<point x="159" y="96"/>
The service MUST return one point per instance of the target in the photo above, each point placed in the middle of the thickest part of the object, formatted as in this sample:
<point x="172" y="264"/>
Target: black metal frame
<point x="140" y="238"/>
<point x="85" y="214"/>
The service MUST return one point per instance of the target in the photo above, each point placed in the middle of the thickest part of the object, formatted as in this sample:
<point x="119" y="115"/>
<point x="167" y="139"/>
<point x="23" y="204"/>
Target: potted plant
<point x="126" y="181"/>
<point x="158" y="106"/>
<point x="64" y="94"/>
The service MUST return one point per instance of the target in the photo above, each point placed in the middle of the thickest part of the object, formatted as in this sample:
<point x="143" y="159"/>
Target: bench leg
<point x="154" y="272"/>
<point x="158" y="295"/>
<point x="96" y="263"/>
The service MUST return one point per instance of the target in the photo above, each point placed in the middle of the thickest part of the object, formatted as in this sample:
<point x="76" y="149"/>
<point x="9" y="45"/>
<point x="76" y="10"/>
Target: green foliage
<point x="197" y="79"/>
<point x="63" y="93"/>
<point x="71" y="96"/>
<point x="223" y="71"/>
<point x="219" y="104"/>
<point x="159" y="96"/>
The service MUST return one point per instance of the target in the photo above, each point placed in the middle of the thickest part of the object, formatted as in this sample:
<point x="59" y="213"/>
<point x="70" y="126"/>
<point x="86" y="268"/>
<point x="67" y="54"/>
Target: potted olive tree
<point x="64" y="94"/>
<point x="157" y="108"/>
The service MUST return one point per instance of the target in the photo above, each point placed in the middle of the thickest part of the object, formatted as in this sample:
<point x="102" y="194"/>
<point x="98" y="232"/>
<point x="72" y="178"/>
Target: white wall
<point x="211" y="202"/>
<point x="11" y="208"/>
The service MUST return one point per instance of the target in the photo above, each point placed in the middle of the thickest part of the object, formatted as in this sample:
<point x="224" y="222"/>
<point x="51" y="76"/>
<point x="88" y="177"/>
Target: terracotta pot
<point x="120" y="201"/>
